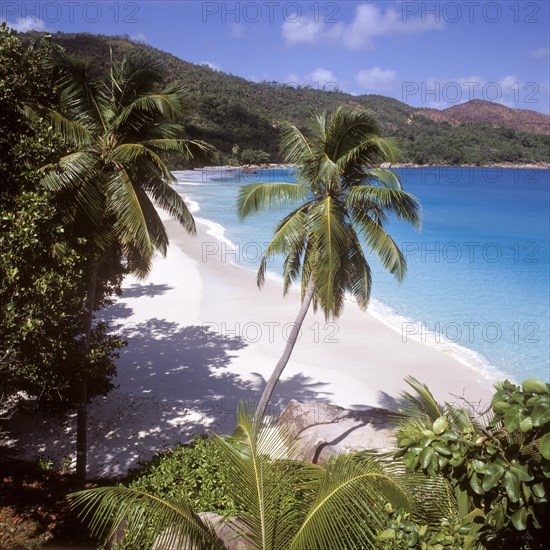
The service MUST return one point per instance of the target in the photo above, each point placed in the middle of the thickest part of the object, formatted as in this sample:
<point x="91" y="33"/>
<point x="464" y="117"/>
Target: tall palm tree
<point x="118" y="132"/>
<point x="343" y="203"/>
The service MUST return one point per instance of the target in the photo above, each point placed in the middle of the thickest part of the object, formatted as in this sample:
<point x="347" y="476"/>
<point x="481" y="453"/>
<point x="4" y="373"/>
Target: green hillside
<point x="227" y="110"/>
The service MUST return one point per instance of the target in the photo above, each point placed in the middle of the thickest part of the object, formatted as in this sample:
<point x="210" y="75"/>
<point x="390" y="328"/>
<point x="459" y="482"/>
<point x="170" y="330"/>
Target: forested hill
<point x="226" y="110"/>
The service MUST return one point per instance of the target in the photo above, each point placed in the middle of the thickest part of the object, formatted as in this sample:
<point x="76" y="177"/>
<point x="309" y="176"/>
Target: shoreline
<point x="377" y="309"/>
<point x="202" y="337"/>
<point x="502" y="165"/>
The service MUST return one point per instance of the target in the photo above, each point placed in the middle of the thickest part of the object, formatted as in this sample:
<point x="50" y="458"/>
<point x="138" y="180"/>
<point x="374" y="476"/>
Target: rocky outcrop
<point x="323" y="429"/>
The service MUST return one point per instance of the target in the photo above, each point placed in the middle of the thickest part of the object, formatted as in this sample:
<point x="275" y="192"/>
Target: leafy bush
<point x="195" y="471"/>
<point x="502" y="466"/>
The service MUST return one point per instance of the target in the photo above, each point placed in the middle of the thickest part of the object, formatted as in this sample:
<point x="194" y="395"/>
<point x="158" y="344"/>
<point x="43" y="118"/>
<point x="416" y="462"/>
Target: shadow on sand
<point x="172" y="382"/>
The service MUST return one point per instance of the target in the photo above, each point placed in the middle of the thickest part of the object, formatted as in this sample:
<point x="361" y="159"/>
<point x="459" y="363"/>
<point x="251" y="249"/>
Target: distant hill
<point x="225" y="109"/>
<point x="485" y="112"/>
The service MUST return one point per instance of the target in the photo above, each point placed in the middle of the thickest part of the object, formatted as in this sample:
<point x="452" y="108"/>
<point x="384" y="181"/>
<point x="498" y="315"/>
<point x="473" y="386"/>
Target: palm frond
<point x="349" y="128"/>
<point x="326" y="223"/>
<point x="79" y="93"/>
<point x="79" y="193"/>
<point x="386" y="177"/>
<point x="130" y="225"/>
<point x="405" y="206"/>
<point x="262" y="477"/>
<point x="358" y="272"/>
<point x="145" y="518"/>
<point x="289" y="236"/>
<point x="73" y="132"/>
<point x="128" y="153"/>
<point x="293" y="145"/>
<point x="380" y="243"/>
<point x="261" y="196"/>
<point x="349" y="505"/>
<point x="421" y="401"/>
<point x="166" y="105"/>
<point x="167" y="198"/>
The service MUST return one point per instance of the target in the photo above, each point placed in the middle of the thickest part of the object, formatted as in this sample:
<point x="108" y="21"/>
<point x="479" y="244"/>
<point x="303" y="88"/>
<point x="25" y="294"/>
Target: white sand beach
<point x="202" y="337"/>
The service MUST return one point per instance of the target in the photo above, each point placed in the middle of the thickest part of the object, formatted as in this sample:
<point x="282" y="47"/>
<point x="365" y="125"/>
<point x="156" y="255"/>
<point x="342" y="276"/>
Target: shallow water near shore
<point x="478" y="272"/>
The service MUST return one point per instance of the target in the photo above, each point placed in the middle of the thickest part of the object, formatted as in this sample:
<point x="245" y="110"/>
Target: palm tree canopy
<point x="118" y="132"/>
<point x="284" y="503"/>
<point x="343" y="200"/>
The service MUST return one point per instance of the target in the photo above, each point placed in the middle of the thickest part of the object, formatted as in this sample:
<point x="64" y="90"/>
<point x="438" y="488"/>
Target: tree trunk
<point x="272" y="382"/>
<point x="82" y="408"/>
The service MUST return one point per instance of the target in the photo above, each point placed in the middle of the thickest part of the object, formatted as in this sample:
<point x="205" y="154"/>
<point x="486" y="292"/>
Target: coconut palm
<point x="118" y="132"/>
<point x="342" y="203"/>
<point x="283" y="503"/>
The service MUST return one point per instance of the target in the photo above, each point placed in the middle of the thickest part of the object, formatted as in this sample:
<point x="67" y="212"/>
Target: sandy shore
<point x="202" y="337"/>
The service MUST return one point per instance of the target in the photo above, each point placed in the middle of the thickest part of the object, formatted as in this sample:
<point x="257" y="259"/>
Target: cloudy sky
<point x="432" y="54"/>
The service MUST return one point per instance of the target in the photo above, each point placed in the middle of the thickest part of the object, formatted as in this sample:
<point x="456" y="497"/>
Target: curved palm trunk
<point x="276" y="374"/>
<point x="82" y="408"/>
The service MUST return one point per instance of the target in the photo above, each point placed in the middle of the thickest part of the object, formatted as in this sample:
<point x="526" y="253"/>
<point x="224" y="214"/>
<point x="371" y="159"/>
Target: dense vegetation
<point x="484" y="484"/>
<point x="42" y="290"/>
<point x="229" y="110"/>
<point x="456" y="482"/>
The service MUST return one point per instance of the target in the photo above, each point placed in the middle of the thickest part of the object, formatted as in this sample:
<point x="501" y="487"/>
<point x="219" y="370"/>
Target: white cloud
<point x="377" y="79"/>
<point x="369" y="22"/>
<point x="542" y="54"/>
<point x="139" y="37"/>
<point x="25" y="24"/>
<point x="509" y="90"/>
<point x="320" y="78"/>
<point x="305" y="30"/>
<point x="237" y="30"/>
<point x="213" y="66"/>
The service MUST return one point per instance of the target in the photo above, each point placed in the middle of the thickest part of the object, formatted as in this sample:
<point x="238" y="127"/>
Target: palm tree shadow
<point x="172" y="382"/>
<point x="138" y="290"/>
<point x="176" y="381"/>
<point x="298" y="386"/>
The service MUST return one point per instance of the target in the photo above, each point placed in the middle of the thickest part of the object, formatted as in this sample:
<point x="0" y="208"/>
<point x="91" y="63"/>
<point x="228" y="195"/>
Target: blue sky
<point x="428" y="54"/>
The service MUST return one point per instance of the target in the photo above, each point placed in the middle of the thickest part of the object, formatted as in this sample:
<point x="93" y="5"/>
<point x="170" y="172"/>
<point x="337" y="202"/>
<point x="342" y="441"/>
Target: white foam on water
<point x="377" y="309"/>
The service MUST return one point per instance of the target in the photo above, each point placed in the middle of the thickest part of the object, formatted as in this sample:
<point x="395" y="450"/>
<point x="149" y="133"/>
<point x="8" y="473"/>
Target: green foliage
<point x="230" y="110"/>
<point x="503" y="466"/>
<point x="404" y="532"/>
<point x="254" y="156"/>
<point x="281" y="503"/>
<point x="340" y="202"/>
<point x="42" y="304"/>
<point x="23" y="145"/>
<point x="119" y="131"/>
<point x="195" y="471"/>
<point x="41" y="268"/>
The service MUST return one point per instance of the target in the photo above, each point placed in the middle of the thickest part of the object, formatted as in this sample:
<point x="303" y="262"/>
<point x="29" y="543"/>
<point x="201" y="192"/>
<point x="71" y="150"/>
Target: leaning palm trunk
<point x="82" y="409"/>
<point x="277" y="372"/>
<point x="340" y="205"/>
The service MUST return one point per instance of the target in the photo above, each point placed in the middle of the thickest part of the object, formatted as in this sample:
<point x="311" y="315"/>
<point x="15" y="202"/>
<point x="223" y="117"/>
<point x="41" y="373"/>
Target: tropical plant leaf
<point x="261" y="196"/>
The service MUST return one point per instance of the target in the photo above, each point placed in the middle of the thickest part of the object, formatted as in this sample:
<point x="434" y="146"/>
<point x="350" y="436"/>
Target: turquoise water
<point x="478" y="272"/>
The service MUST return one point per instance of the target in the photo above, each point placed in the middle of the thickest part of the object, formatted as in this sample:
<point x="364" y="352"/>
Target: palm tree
<point x="284" y="503"/>
<point x="343" y="203"/>
<point x="118" y="133"/>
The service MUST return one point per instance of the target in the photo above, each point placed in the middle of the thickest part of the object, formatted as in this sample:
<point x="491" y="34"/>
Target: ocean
<point x="478" y="273"/>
